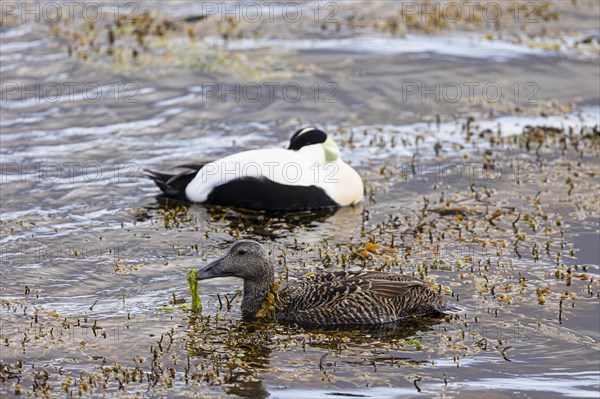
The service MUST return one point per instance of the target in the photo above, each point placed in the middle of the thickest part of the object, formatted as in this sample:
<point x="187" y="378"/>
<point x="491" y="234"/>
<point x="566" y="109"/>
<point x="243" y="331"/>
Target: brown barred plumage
<point x="326" y="299"/>
<point x="342" y="298"/>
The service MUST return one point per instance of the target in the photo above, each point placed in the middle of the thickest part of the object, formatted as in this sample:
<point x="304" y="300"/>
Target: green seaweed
<point x="418" y="344"/>
<point x="193" y="282"/>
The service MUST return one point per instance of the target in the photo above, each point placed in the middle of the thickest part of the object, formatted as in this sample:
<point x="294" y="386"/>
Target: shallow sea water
<point x="93" y="263"/>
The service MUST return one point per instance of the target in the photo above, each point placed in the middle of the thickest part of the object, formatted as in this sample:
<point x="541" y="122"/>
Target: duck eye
<point x="242" y="252"/>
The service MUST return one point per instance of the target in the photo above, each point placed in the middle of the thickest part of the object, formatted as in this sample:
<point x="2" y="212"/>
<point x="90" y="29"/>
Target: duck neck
<point x="255" y="292"/>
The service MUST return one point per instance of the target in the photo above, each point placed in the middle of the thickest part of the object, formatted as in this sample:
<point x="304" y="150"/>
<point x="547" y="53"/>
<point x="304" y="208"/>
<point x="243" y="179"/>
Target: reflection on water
<point x="264" y="224"/>
<point x="247" y="348"/>
<point x="247" y="345"/>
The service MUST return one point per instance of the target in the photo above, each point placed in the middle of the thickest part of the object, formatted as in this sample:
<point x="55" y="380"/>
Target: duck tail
<point x="173" y="185"/>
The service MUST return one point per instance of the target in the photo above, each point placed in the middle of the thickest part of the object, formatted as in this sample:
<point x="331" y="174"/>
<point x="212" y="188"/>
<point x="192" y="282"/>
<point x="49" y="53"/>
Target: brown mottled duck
<point x="325" y="299"/>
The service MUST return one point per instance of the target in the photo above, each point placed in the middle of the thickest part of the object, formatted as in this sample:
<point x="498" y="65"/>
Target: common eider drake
<point x="309" y="174"/>
<point x="330" y="299"/>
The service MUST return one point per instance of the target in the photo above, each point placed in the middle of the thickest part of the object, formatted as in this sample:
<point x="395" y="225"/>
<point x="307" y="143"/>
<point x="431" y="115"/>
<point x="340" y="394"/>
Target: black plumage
<point x="173" y="185"/>
<point x="306" y="136"/>
<point x="264" y="194"/>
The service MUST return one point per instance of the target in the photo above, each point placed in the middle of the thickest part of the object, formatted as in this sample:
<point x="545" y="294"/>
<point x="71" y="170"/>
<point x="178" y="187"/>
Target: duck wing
<point x="347" y="298"/>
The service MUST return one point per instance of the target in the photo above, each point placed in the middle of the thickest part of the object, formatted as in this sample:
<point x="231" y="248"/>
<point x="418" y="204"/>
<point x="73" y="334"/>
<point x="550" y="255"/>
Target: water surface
<point x="498" y="207"/>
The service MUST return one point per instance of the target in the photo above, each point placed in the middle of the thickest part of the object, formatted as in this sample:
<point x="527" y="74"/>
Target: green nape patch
<point x="193" y="282"/>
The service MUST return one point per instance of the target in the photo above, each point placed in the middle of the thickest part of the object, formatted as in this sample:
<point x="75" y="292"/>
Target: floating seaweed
<point x="193" y="283"/>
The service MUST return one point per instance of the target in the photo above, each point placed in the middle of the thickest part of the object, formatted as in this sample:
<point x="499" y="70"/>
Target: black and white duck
<point x="329" y="299"/>
<point x="309" y="174"/>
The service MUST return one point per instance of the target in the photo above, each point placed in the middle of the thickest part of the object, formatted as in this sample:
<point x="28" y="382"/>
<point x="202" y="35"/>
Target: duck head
<point x="312" y="136"/>
<point x="246" y="259"/>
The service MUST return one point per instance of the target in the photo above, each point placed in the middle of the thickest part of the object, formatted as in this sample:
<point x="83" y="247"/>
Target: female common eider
<point x="310" y="174"/>
<point x="325" y="299"/>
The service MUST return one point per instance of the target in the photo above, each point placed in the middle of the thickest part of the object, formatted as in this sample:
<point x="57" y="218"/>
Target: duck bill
<point x="208" y="271"/>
